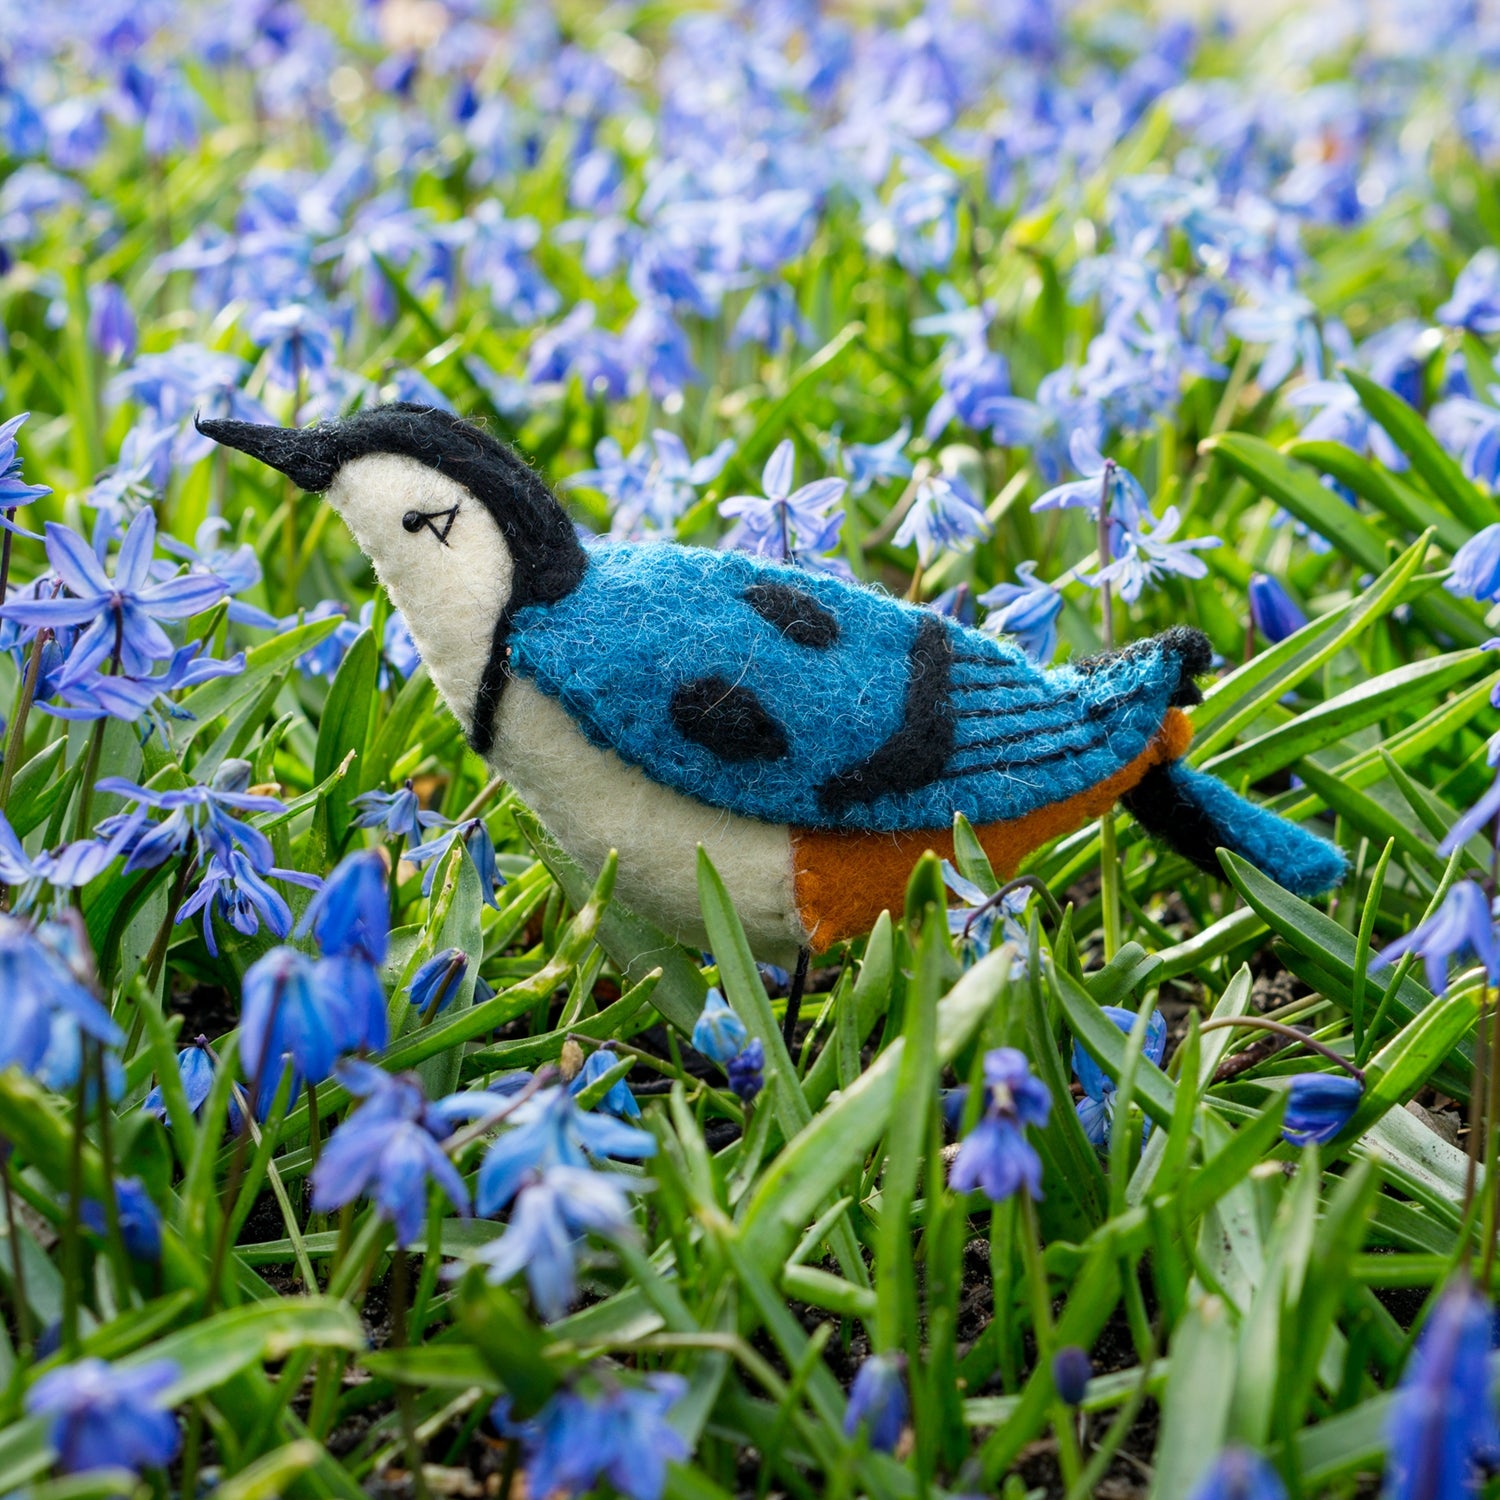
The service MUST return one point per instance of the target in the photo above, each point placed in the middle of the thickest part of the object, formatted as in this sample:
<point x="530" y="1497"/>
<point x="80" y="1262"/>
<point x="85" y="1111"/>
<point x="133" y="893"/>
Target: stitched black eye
<point x="413" y="521"/>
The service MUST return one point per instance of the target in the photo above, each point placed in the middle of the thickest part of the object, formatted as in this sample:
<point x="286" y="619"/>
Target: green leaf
<point x="345" y="727"/>
<point x="1195" y="1404"/>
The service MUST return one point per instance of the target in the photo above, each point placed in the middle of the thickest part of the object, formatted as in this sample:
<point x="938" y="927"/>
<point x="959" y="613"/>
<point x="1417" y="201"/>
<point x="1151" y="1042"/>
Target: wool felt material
<point x="895" y="720"/>
<point x="815" y="736"/>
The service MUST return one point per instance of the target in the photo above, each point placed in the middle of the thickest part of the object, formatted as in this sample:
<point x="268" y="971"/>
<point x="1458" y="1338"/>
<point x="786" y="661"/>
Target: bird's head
<point x="461" y="531"/>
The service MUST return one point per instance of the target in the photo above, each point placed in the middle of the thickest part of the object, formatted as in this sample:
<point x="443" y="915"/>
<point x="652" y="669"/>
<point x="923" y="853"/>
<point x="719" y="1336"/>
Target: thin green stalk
<point x="72" y="1229"/>
<point x="1109" y="851"/>
<point x="24" y="699"/>
<point x="1046" y="1343"/>
<point x="1492" y="1116"/>
<point x="1260" y="1023"/>
<point x="93" y="1053"/>
<point x="17" y="1263"/>
<point x="405" y="1396"/>
<point x="1362" y="946"/>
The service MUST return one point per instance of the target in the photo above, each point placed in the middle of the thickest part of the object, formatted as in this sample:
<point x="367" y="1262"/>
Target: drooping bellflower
<point x="1319" y="1106"/>
<point x="877" y="1402"/>
<point x="1463" y="926"/>
<point x="102" y="1416"/>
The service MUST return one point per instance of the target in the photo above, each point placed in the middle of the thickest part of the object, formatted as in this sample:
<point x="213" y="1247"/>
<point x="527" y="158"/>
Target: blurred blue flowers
<point x="1239" y="1474"/>
<point x="877" y="1402"/>
<point x="718" y="1033"/>
<point x="102" y="1416"/>
<point x="1476" y="566"/>
<point x="945" y="515"/>
<point x="1319" y="1105"/>
<point x="1272" y="610"/>
<point x="1463" y="926"/>
<point x="1096" y="1110"/>
<point x="1027" y="610"/>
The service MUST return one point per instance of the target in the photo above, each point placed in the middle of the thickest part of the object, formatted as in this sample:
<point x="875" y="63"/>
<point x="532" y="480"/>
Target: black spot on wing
<point x="728" y="719"/>
<point x="795" y="613"/>
<point x="917" y="752"/>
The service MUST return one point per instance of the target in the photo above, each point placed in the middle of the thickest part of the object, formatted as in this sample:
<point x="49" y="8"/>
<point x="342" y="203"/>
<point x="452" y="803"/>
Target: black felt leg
<point x="794" y="999"/>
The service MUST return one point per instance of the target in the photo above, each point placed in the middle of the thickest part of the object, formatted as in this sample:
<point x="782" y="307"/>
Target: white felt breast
<point x="591" y="801"/>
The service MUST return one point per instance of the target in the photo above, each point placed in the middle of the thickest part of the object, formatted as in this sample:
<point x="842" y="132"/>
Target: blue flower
<point x="298" y="341"/>
<point x="1480" y="818"/>
<point x="1144" y="551"/>
<point x="101" y="1416"/>
<point x="1097" y="1107"/>
<point x="355" y="997"/>
<point x="122" y="612"/>
<point x="576" y="347"/>
<point x="1463" y="925"/>
<point x="1102" y="478"/>
<point x="204" y="812"/>
<point x="996" y="1157"/>
<point x="1442" y="1420"/>
<point x="1475" y="303"/>
<point x="654" y="484"/>
<point x="548" y="1219"/>
<point x="237" y="567"/>
<point x="38" y="985"/>
<point x="746" y="1070"/>
<point x="140" y="1219"/>
<point x="398" y="812"/>
<point x="240" y="895"/>
<point x="618" y="1101"/>
<point x="351" y="915"/>
<point x="1239" y="1474"/>
<point x="388" y="1148"/>
<point x="91" y="694"/>
<point x="112" y="329"/>
<point x="877" y="1402"/>
<point x="1071" y="1372"/>
<point x="437" y="981"/>
<point x="975" y="934"/>
<point x="14" y="490"/>
<point x="785" y="521"/>
<point x="1272" y="610"/>
<point x="286" y="1017"/>
<point x="1319" y="1106"/>
<point x="1027" y="610"/>
<point x="548" y="1130"/>
<point x="718" y="1033"/>
<point x="1286" y="323"/>
<point x="196" y="1067"/>
<point x="1476" y="566"/>
<point x="620" y="1436"/>
<point x="945" y="514"/>
<point x="474" y="835"/>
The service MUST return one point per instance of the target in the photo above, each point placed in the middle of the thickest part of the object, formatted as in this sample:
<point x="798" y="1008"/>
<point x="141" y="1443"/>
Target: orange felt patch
<point x="845" y="880"/>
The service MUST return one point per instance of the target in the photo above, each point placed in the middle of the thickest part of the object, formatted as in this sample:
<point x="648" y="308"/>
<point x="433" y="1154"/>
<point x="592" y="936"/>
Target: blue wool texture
<point x="648" y="621"/>
<point x="1300" y="861"/>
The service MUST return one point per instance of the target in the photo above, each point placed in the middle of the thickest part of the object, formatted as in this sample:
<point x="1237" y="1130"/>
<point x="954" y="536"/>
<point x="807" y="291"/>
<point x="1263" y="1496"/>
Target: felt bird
<point x="815" y="736"/>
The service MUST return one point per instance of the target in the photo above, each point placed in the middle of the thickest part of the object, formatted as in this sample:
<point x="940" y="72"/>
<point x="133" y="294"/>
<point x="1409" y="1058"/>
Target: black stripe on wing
<point x="916" y="753"/>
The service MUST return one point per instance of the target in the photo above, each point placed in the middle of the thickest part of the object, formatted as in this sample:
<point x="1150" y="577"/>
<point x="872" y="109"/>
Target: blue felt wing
<point x="797" y="698"/>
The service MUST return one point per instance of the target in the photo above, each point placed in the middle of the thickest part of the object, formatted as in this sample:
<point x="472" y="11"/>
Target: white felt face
<point x="441" y="558"/>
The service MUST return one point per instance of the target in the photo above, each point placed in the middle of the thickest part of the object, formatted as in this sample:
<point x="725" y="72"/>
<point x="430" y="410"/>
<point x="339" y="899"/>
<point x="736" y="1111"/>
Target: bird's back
<point x="797" y="698"/>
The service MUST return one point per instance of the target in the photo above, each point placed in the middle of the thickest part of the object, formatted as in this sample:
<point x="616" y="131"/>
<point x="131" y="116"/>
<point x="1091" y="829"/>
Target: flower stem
<point x="1492" y="1111"/>
<point x="118" y="1255"/>
<point x="1041" y="1326"/>
<point x="72" y="1230"/>
<point x="17" y="1263"/>
<point x="17" y="735"/>
<point x="405" y="1397"/>
<point x="1109" y="849"/>
<point x="1259" y="1023"/>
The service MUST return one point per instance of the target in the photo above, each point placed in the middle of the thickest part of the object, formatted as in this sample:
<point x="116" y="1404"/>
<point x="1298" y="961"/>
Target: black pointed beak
<point x="308" y="456"/>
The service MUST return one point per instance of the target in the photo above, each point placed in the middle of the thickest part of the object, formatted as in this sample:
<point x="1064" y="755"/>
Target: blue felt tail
<point x="1197" y="815"/>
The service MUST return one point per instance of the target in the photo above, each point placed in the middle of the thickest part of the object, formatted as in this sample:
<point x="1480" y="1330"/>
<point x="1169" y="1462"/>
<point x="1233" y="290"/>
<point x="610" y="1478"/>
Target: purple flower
<point x="548" y="1220"/>
<point x="298" y="341"/>
<point x="577" y="347"/>
<point x="877" y="1402"/>
<point x="286" y="1017"/>
<point x="1144" y="553"/>
<point x="104" y="1416"/>
<point x="718" y="1033"/>
<point x="975" y="934"/>
<point x="122" y="612"/>
<point x="996" y="1156"/>
<point x="197" y="1069"/>
<point x="38" y="985"/>
<point x="1442" y="1421"/>
<point x="785" y="521"/>
<point x="1272" y="610"/>
<point x="620" y="1436"/>
<point x="1028" y="610"/>
<point x="1286" y="323"/>
<point x="1463" y="925"/>
<point x="1480" y="817"/>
